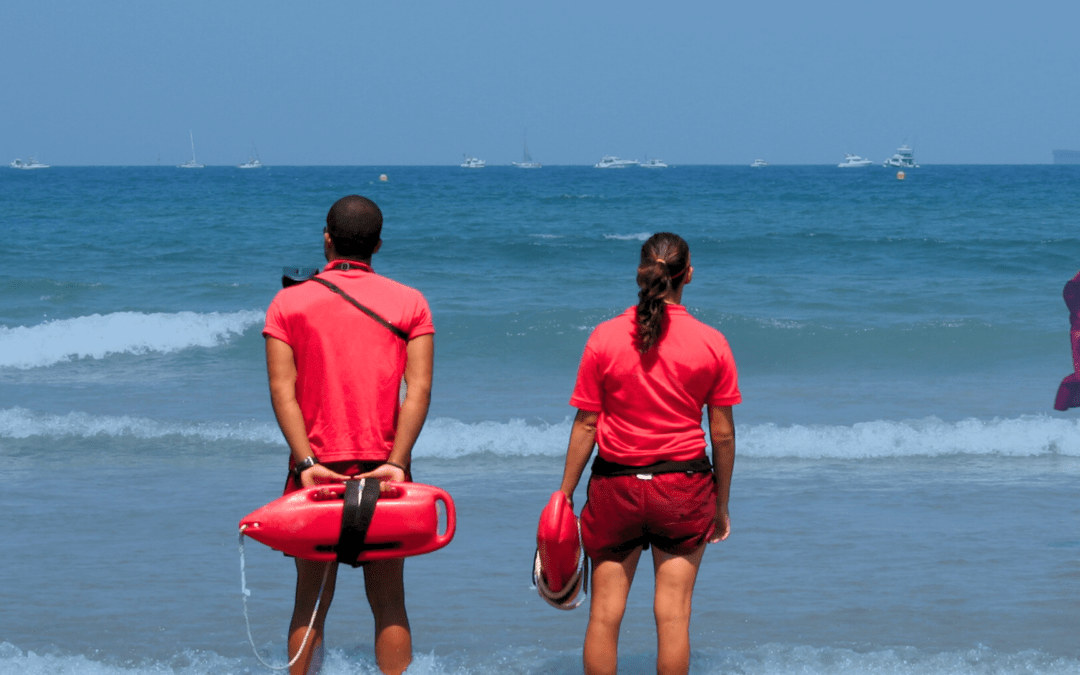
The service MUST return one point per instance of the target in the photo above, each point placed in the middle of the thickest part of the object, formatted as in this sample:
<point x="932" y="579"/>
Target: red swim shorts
<point x="292" y="483"/>
<point x="672" y="511"/>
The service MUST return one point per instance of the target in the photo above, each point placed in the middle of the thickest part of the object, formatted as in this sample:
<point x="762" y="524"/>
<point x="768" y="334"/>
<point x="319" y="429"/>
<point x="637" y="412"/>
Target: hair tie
<point x="661" y="261"/>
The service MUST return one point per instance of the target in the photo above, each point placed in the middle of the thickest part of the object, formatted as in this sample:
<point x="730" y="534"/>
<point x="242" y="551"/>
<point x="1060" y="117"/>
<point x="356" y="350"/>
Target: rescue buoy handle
<point x="451" y="520"/>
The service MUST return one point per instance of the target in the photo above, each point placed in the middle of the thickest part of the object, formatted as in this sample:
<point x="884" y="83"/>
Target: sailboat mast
<point x="190" y="133"/>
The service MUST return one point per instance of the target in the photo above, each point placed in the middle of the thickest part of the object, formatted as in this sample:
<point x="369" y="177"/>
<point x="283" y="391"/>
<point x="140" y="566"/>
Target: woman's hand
<point x="721" y="526"/>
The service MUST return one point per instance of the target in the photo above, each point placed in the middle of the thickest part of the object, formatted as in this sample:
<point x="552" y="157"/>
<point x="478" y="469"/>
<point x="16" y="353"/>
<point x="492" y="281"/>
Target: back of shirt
<point x="349" y="367"/>
<point x="650" y="404"/>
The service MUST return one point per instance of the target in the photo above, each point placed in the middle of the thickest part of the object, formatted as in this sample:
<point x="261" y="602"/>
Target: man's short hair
<point x="354" y="224"/>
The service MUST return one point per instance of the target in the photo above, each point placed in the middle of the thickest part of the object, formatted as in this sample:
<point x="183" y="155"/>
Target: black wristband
<point x="303" y="465"/>
<point x="396" y="466"/>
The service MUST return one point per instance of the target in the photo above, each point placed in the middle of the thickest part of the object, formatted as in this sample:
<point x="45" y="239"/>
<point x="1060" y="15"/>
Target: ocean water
<point x="905" y="500"/>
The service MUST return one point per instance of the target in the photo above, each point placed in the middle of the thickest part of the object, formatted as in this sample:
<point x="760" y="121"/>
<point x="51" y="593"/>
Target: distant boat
<point x="30" y="164"/>
<point x="527" y="160"/>
<point x="612" y="162"/>
<point x="854" y="162"/>
<point x="191" y="164"/>
<point x="654" y="164"/>
<point x="759" y="163"/>
<point x="472" y="163"/>
<point x="903" y="159"/>
<point x="252" y="163"/>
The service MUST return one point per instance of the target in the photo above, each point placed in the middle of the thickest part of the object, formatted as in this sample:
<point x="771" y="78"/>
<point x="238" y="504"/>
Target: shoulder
<point x="614" y="328"/>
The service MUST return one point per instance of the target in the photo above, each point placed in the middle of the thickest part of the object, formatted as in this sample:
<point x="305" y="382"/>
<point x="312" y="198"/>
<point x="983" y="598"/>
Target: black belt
<point x="356" y="519"/>
<point x="602" y="467"/>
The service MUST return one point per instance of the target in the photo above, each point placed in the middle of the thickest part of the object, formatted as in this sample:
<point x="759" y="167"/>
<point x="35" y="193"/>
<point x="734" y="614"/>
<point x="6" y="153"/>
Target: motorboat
<point x="29" y="164"/>
<point x="759" y="163"/>
<point x="854" y="162"/>
<point x="612" y="162"/>
<point x="253" y="161"/>
<point x="653" y="164"/>
<point x="903" y="159"/>
<point x="191" y="164"/>
<point x="473" y="163"/>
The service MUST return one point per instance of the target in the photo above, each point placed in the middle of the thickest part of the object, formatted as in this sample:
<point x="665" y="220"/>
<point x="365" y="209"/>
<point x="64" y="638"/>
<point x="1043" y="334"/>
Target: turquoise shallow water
<point x="905" y="500"/>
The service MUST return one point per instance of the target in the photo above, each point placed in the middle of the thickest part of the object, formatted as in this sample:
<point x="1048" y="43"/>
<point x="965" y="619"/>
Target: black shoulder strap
<point x="389" y="326"/>
<point x="360" y="499"/>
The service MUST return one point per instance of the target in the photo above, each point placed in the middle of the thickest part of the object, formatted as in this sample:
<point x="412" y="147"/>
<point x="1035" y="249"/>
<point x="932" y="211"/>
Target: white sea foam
<point x="97" y="336"/>
<point x="764" y="660"/>
<point x="640" y="236"/>
<point x="1030" y="435"/>
<point x="22" y="423"/>
<point x="444" y="438"/>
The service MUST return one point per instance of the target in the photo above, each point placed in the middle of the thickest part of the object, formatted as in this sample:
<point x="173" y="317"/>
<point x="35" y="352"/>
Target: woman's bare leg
<point x="610" y="585"/>
<point x="675" y="577"/>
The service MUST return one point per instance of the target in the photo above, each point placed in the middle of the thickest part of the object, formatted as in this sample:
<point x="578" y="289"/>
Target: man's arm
<point x="578" y="451"/>
<point x="722" y="433"/>
<point x="281" y="368"/>
<point x="419" y="367"/>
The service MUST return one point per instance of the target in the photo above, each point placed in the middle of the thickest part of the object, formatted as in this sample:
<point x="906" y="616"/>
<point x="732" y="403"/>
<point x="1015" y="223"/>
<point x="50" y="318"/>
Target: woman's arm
<point x="582" y="441"/>
<point x="722" y="434"/>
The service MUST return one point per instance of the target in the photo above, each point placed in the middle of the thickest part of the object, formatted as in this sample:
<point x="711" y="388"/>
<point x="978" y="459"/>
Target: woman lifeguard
<point x="643" y="381"/>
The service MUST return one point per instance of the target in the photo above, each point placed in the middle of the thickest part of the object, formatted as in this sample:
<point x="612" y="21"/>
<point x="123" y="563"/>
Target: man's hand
<point x="385" y="472"/>
<point x="319" y="474"/>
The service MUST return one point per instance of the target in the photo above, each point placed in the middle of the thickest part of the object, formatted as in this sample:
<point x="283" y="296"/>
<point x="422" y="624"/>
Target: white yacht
<point x="612" y="162"/>
<point x="30" y="164"/>
<point x="253" y="161"/>
<point x="653" y="164"/>
<point x="759" y="163"/>
<point x="903" y="159"/>
<point x="191" y="164"/>
<point x="473" y="163"/>
<point x="527" y="160"/>
<point x="854" y="161"/>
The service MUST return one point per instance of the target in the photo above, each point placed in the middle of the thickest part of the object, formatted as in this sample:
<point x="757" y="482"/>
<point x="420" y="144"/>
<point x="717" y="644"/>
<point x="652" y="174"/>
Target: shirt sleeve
<point x="275" y="323"/>
<point x="726" y="388"/>
<point x="421" y="323"/>
<point x="588" y="390"/>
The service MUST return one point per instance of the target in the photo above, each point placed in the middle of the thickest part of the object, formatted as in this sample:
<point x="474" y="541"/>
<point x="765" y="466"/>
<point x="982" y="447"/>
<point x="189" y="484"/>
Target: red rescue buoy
<point x="308" y="523"/>
<point x="559" y="570"/>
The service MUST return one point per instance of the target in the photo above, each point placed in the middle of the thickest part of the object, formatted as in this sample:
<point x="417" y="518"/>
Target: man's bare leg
<point x="309" y="577"/>
<point x="675" y="577"/>
<point x="610" y="585"/>
<point x="385" y="585"/>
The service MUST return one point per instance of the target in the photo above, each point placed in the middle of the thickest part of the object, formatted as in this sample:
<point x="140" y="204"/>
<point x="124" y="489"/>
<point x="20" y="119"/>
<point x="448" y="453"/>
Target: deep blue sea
<point x="905" y="500"/>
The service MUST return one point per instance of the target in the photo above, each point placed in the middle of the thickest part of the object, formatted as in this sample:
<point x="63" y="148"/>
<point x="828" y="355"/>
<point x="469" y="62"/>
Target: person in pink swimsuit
<point x="1068" y="395"/>
<point x="644" y="378"/>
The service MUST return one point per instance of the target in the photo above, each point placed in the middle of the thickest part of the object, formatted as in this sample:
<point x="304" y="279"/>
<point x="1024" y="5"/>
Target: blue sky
<point x="383" y="83"/>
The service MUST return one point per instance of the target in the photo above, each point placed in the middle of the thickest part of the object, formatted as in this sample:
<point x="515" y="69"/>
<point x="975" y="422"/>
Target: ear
<point x="328" y="247"/>
<point x="377" y="247"/>
<point x="689" y="274"/>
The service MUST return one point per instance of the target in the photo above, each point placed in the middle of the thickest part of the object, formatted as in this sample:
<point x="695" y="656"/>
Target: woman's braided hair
<point x="664" y="260"/>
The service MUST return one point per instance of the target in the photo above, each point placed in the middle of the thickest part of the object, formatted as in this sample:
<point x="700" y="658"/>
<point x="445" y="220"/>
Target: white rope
<point x="558" y="599"/>
<point x="244" y="593"/>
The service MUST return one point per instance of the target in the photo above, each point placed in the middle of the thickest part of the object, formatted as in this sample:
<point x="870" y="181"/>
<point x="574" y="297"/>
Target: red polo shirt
<point x="348" y="366"/>
<point x="650" y="404"/>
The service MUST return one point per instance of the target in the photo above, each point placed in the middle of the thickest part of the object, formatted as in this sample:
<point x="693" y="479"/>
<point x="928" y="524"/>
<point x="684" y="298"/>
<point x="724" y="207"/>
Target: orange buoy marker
<point x="900" y="175"/>
<point x="560" y="570"/>
<point x="308" y="523"/>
